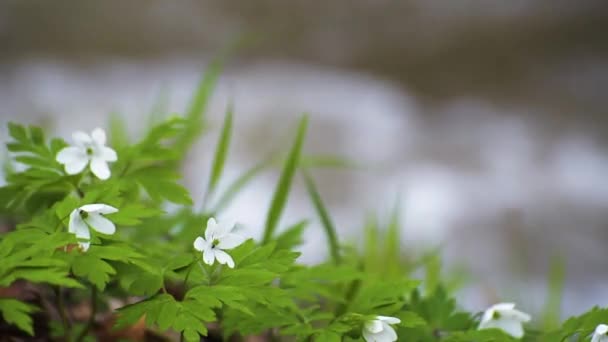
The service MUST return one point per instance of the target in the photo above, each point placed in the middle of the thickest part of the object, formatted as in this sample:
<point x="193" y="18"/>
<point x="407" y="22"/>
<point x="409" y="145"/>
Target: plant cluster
<point x="102" y="241"/>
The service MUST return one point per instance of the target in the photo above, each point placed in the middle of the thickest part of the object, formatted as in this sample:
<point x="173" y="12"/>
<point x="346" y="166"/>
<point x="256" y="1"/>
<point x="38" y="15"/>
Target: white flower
<point x="504" y="316"/>
<point x="600" y="334"/>
<point x="217" y="238"/>
<point x="90" y="215"/>
<point x="379" y="330"/>
<point x="88" y="148"/>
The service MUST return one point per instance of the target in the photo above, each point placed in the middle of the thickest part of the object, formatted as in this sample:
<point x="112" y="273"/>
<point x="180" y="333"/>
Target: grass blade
<point x="195" y="116"/>
<point x="238" y="185"/>
<point x="282" y="191"/>
<point x="330" y="230"/>
<point x="221" y="152"/>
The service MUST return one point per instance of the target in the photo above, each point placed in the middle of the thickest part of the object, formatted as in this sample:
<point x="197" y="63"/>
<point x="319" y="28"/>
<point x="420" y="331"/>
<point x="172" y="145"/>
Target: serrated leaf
<point x="292" y="236"/>
<point x="93" y="269"/>
<point x="18" y="313"/>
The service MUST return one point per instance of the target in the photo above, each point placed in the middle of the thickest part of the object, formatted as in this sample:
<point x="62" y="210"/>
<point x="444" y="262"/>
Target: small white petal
<point x="601" y="329"/>
<point x="99" y="208"/>
<point x="368" y="336"/>
<point x="224" y="258"/>
<point x="199" y="244"/>
<point x="76" y="166"/>
<point x="71" y="154"/>
<point x="101" y="224"/>
<point x="517" y="315"/>
<point x="210" y="231"/>
<point x="81" y="139"/>
<point x="76" y="225"/>
<point x="230" y="240"/>
<point x="209" y="256"/>
<point x="387" y="334"/>
<point x="100" y="168"/>
<point x="107" y="154"/>
<point x="374" y="326"/>
<point x="389" y="320"/>
<point x="99" y="136"/>
<point x="511" y="327"/>
<point x="84" y="245"/>
<point x="503" y="306"/>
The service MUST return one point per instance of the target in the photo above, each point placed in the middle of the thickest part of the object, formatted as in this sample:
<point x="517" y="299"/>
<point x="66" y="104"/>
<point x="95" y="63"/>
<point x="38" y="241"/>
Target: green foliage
<point x="284" y="185"/>
<point x="328" y="225"/>
<point x="18" y="313"/>
<point x="150" y="267"/>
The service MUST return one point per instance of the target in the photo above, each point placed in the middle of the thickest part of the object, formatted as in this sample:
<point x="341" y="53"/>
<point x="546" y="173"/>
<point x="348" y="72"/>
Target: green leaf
<point x="292" y="236"/>
<point x="160" y="184"/>
<point x="279" y="198"/>
<point x="93" y="269"/>
<point x="330" y="230"/>
<point x="17" y="131"/>
<point x="221" y="152"/>
<point x="187" y="316"/>
<point x="18" y="313"/>
<point x="132" y="214"/>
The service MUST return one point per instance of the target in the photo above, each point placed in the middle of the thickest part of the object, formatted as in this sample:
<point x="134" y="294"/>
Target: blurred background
<point x="487" y="118"/>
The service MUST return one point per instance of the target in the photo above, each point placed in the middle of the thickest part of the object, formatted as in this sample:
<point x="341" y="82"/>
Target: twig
<point x="64" y="318"/>
<point x="91" y="321"/>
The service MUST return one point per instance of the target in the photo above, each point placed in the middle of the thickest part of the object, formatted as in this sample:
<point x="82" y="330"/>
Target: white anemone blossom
<point x="600" y="334"/>
<point x="505" y="317"/>
<point x="90" y="216"/>
<point x="88" y="149"/>
<point x="379" y="330"/>
<point x="217" y="238"/>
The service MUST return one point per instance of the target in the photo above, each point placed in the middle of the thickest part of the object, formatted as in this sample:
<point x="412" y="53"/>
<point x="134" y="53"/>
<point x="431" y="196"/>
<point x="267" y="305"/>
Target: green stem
<point x="62" y="313"/>
<point x="91" y="321"/>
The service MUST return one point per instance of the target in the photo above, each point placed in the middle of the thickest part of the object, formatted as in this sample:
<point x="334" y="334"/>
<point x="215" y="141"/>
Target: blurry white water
<point x="488" y="184"/>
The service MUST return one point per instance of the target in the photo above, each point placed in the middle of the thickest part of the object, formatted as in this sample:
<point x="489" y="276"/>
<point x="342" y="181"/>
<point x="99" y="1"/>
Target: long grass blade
<point x="328" y="226"/>
<point x="284" y="185"/>
<point x="221" y="153"/>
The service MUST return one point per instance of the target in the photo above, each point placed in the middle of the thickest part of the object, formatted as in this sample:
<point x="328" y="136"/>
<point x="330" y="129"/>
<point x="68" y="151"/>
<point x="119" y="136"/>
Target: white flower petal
<point x="199" y="244"/>
<point x="209" y="256"/>
<point x="387" y="334"/>
<point x="389" y="320"/>
<point x="374" y="326"/>
<point x="516" y="315"/>
<point x="224" y="258"/>
<point x="77" y="226"/>
<point x="600" y="333"/>
<point x="101" y="224"/>
<point x="210" y="231"/>
<point x="368" y="336"/>
<point x="81" y="139"/>
<point x="503" y="306"/>
<point x="99" y="208"/>
<point x="71" y="154"/>
<point x="230" y="240"/>
<point x="99" y="136"/>
<point x="76" y="166"/>
<point x="511" y="327"/>
<point x="84" y="245"/>
<point x="100" y="168"/>
<point x="107" y="154"/>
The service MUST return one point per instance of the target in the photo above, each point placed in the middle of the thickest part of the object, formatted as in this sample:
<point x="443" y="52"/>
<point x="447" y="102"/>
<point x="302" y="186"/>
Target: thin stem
<point x="62" y="313"/>
<point x="91" y="321"/>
